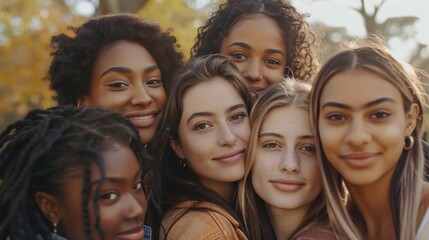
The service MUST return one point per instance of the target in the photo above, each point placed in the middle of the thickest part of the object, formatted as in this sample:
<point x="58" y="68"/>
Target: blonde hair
<point x="250" y="206"/>
<point x="406" y="184"/>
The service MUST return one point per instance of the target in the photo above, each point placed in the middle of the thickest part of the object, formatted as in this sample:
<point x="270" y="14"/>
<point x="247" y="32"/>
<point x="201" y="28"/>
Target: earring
<point x="288" y="73"/>
<point x="55" y="228"/>
<point x="182" y="163"/>
<point x="408" y="142"/>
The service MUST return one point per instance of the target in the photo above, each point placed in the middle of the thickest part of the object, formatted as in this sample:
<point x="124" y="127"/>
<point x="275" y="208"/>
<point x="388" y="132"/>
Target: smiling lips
<point x="142" y="119"/>
<point x="359" y="160"/>
<point x="232" y="157"/>
<point x="136" y="233"/>
<point x="287" y="185"/>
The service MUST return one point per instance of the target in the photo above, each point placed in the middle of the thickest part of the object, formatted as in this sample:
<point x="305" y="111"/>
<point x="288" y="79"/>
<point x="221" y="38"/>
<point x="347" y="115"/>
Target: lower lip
<point x="360" y="162"/>
<point x="232" y="159"/>
<point x="131" y="236"/>
<point x="143" y="123"/>
<point x="287" y="187"/>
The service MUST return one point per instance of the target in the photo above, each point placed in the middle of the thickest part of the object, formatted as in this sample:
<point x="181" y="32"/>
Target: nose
<point x="357" y="136"/>
<point x="227" y="136"/>
<point x="253" y="71"/>
<point x="136" y="207"/>
<point x="290" y="161"/>
<point x="140" y="96"/>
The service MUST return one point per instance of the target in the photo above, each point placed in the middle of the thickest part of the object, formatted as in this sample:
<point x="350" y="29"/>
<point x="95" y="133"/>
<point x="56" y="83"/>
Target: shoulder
<point x="321" y="231"/>
<point x="202" y="221"/>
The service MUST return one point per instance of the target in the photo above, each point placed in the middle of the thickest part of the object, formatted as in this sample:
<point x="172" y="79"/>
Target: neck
<point x="223" y="189"/>
<point x="373" y="202"/>
<point x="286" y="221"/>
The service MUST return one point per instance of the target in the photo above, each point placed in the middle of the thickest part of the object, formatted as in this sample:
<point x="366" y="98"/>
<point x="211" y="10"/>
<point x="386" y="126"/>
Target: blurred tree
<point x="27" y="26"/>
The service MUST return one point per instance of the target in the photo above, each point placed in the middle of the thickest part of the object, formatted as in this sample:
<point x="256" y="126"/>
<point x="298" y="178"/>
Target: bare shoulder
<point x="317" y="232"/>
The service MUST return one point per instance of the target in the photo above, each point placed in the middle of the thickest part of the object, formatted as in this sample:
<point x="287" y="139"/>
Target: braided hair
<point x="37" y="151"/>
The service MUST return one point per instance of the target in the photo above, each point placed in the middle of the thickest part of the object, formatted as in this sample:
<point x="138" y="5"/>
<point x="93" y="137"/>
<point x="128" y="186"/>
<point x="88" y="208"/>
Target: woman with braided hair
<point x="73" y="173"/>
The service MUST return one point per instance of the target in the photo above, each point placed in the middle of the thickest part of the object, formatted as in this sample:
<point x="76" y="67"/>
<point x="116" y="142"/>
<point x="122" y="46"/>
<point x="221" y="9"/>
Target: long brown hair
<point x="406" y="184"/>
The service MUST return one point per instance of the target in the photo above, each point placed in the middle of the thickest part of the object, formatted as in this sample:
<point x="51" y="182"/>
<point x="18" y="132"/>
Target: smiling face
<point x="286" y="173"/>
<point x="122" y="201"/>
<point x="213" y="133"/>
<point x="362" y="125"/>
<point x="126" y="78"/>
<point x="256" y="45"/>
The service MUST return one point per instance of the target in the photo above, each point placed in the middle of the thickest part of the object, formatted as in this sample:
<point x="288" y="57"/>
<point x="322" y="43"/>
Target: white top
<point x="423" y="231"/>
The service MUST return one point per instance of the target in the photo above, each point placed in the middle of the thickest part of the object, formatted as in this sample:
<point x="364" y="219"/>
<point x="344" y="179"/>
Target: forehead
<point x="287" y="120"/>
<point x="216" y="93"/>
<point x="358" y="87"/>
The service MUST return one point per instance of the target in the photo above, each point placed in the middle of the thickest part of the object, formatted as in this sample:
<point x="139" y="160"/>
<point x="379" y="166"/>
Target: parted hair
<point x="406" y="184"/>
<point x="37" y="151"/>
<point x="73" y="57"/>
<point x="301" y="43"/>
<point x="180" y="183"/>
<point x="250" y="206"/>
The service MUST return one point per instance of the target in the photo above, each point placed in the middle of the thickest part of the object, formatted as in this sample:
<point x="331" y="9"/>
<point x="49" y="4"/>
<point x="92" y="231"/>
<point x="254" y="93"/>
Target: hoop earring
<point x="182" y="163"/>
<point x="288" y="72"/>
<point x="408" y="142"/>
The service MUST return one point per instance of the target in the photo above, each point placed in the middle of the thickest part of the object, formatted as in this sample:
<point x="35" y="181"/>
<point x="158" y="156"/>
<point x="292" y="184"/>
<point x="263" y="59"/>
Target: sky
<point x="338" y="13"/>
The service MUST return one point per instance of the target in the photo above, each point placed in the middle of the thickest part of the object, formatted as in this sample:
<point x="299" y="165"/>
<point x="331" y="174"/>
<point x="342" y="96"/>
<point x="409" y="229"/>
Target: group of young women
<point x="249" y="139"/>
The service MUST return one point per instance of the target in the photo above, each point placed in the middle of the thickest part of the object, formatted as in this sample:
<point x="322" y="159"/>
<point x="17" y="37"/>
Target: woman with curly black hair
<point x="267" y="39"/>
<point x="73" y="173"/>
<point x="117" y="61"/>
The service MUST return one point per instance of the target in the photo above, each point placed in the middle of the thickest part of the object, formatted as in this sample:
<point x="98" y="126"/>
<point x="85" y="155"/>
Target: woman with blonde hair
<point x="367" y="113"/>
<point x="281" y="194"/>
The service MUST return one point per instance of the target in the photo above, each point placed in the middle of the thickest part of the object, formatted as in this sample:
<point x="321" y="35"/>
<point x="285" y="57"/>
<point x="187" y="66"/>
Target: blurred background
<point x="26" y="28"/>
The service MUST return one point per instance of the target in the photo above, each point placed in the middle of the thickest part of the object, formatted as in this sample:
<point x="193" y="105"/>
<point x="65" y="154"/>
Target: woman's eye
<point x="238" y="116"/>
<point x="380" y="115"/>
<point x="238" y="56"/>
<point x="271" y="145"/>
<point x="272" y="61"/>
<point x="154" y="82"/>
<point x="202" y="126"/>
<point x="109" y="196"/>
<point x="336" y="117"/>
<point x="118" y="85"/>
<point x="308" y="148"/>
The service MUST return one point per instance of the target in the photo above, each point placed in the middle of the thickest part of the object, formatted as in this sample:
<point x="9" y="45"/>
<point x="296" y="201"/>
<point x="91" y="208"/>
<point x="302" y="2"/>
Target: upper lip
<point x="142" y="113"/>
<point x="133" y="229"/>
<point x="229" y="154"/>
<point x="358" y="155"/>
<point x="288" y="181"/>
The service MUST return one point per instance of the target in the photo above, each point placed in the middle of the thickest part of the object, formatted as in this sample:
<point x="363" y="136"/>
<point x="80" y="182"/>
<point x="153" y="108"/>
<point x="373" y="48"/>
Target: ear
<point x="84" y="101"/>
<point x="49" y="206"/>
<point x="177" y="148"/>
<point x="412" y="117"/>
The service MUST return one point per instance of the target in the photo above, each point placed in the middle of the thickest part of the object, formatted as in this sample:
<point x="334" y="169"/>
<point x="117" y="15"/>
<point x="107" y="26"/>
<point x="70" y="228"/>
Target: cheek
<point x="265" y="164"/>
<point x="314" y="177"/>
<point x="159" y="96"/>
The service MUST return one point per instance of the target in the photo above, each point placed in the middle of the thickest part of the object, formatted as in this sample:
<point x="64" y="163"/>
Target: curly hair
<point x="73" y="57"/>
<point x="300" y="41"/>
<point x="37" y="151"/>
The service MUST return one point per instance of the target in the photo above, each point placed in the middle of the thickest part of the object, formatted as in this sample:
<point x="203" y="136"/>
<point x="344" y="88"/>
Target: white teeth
<point x="142" y="117"/>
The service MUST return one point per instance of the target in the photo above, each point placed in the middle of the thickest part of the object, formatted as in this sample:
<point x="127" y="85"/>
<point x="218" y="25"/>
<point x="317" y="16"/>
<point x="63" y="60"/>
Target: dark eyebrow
<point x="247" y="46"/>
<point x="151" y="68"/>
<point x="208" y="114"/>
<point x="117" y="180"/>
<point x="366" y="105"/>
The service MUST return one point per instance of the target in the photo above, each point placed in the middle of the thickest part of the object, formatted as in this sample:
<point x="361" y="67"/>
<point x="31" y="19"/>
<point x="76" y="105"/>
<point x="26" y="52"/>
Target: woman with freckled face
<point x="370" y="139"/>
<point x="281" y="196"/>
<point x="202" y="148"/>
<point x="268" y="40"/>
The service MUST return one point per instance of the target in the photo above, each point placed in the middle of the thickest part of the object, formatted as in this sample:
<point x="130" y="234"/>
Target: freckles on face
<point x="214" y="131"/>
<point x="125" y="77"/>
<point x="285" y="172"/>
<point x="121" y="200"/>
<point x="256" y="45"/>
<point x="362" y="128"/>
